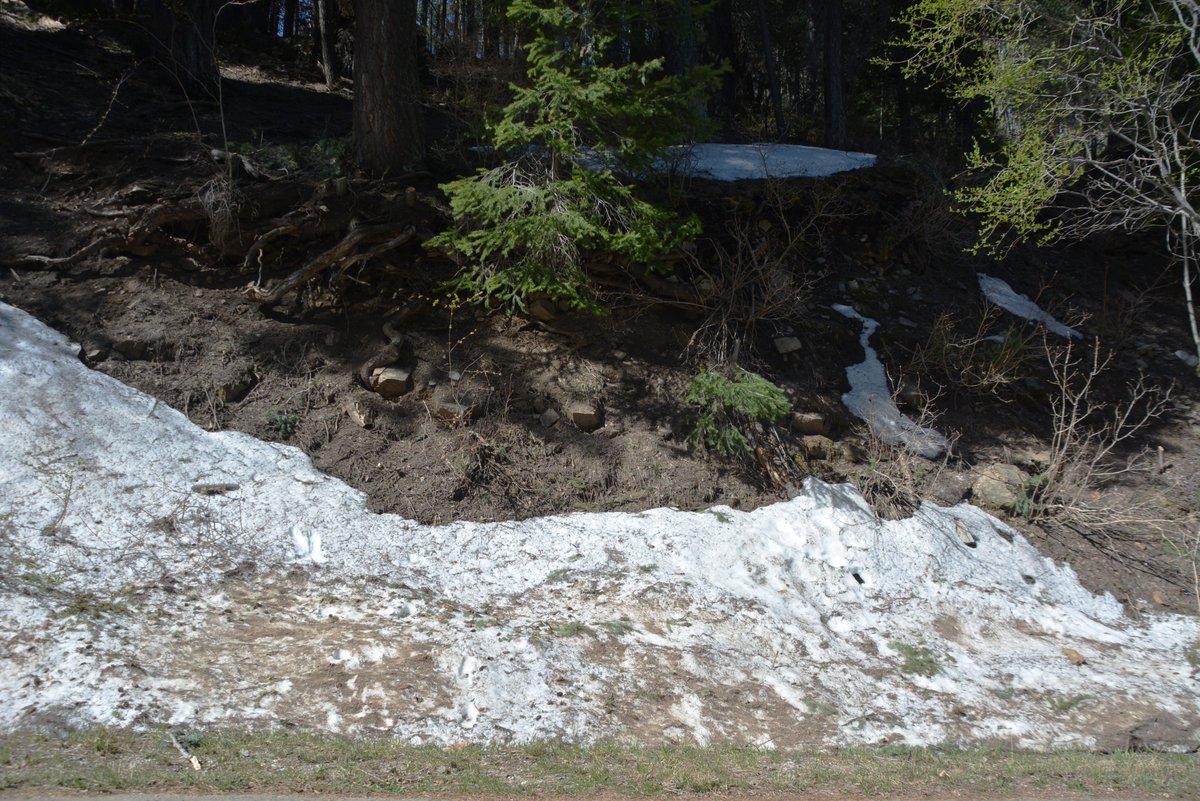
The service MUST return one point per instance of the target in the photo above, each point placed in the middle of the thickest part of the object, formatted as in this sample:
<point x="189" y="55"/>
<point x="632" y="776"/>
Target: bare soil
<point x="93" y="141"/>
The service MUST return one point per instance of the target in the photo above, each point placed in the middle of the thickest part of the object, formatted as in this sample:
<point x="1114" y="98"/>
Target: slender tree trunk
<point x="772" y="72"/>
<point x="326" y="26"/>
<point x="835" y="77"/>
<point x="291" y="13"/>
<point x="388" y="127"/>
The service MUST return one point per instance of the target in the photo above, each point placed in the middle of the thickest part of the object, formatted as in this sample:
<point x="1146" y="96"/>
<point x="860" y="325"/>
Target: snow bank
<point x="1004" y="296"/>
<point x="718" y="162"/>
<point x="224" y="580"/>
<point x="870" y="399"/>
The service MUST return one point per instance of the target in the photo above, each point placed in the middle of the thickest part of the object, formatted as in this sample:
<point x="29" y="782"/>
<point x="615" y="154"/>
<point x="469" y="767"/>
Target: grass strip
<point x="107" y="760"/>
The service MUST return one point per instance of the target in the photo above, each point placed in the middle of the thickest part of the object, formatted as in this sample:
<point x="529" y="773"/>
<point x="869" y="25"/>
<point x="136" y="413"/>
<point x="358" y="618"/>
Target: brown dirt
<point x="178" y="325"/>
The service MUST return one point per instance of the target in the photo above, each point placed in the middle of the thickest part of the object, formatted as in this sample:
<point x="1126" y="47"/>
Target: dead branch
<point x="96" y="246"/>
<point x="390" y="234"/>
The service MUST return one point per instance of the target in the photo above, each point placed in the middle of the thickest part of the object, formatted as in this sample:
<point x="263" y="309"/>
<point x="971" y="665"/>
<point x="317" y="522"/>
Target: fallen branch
<point x="332" y="256"/>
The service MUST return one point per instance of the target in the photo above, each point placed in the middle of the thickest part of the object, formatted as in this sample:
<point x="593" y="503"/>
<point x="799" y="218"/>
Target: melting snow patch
<point x="781" y="620"/>
<point x="719" y="162"/>
<point x="870" y="399"/>
<point x="1004" y="296"/>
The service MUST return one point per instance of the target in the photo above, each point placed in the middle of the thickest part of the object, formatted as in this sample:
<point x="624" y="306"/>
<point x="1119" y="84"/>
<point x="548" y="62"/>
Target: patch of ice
<point x="1004" y="296"/>
<point x="870" y="399"/>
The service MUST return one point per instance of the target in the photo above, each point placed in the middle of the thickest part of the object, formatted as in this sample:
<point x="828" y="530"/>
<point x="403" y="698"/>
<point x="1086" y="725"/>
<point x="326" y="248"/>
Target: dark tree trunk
<point x="722" y="48"/>
<point x="388" y="129"/>
<point x="772" y="71"/>
<point x="181" y="37"/>
<point x="835" y="77"/>
<point x="291" y="14"/>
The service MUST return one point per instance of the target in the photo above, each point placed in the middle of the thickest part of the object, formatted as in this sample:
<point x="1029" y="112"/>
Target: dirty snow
<point x="870" y="398"/>
<point x="1004" y="296"/>
<point x="722" y="162"/>
<point x="782" y="627"/>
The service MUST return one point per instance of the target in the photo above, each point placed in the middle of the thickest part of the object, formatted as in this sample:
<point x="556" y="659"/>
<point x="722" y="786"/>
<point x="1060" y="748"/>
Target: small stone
<point x="1158" y="598"/>
<point x="1074" y="657"/>
<point x="541" y="307"/>
<point x="964" y="534"/>
<point x="998" y="486"/>
<point x="587" y="417"/>
<point x="391" y="382"/>
<point x="819" y="448"/>
<point x="540" y="404"/>
<point x="360" y="414"/>
<point x="786" y="345"/>
<point x="1038" y="461"/>
<point x="619" y="355"/>
<point x="450" y="412"/>
<point x="550" y="417"/>
<point x="410" y="196"/>
<point x="907" y="323"/>
<point x="455" y="376"/>
<point x="852" y="285"/>
<point x="810" y="423"/>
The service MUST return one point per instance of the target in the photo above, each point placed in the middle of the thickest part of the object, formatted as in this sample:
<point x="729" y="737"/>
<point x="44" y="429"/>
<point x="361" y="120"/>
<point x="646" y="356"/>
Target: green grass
<point x="918" y="659"/>
<point x="103" y="760"/>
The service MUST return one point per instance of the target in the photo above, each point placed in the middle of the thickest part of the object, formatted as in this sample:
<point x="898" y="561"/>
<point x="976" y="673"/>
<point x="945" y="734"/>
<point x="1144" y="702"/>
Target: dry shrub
<point x="894" y="481"/>
<point x="1095" y="444"/>
<point x="985" y="360"/>
<point x="762" y="271"/>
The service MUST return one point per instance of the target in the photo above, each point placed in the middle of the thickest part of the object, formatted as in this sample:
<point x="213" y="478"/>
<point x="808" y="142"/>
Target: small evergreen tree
<point x="574" y="139"/>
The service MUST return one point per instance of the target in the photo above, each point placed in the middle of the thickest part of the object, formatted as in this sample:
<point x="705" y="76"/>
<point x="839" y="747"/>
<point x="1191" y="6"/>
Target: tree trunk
<point x="835" y="78"/>
<point x="388" y="129"/>
<point x="181" y="37"/>
<point x="772" y="71"/>
<point x="326" y="27"/>
<point x="723" y="51"/>
<point x="291" y="14"/>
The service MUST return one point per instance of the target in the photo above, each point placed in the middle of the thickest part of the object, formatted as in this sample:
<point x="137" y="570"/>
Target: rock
<point x="1162" y="732"/>
<point x="550" y="417"/>
<point x="541" y="307"/>
<point x="786" y="345"/>
<point x="964" y="534"/>
<point x="587" y="416"/>
<point x="816" y="447"/>
<point x="1168" y="733"/>
<point x="391" y="382"/>
<point x="1037" y="461"/>
<point x="360" y="414"/>
<point x="810" y="423"/>
<point x="132" y="349"/>
<point x="454" y="413"/>
<point x="1074" y="657"/>
<point x="235" y="389"/>
<point x="540" y="404"/>
<point x="998" y="486"/>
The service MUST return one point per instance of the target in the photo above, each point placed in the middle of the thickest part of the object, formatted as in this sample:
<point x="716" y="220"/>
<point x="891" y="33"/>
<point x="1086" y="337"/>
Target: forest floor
<point x="98" y="149"/>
